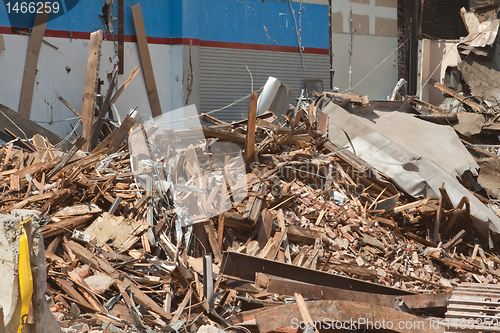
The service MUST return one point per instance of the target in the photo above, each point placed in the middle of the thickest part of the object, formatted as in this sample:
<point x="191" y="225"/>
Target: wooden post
<point x="147" y="67"/>
<point x="29" y="74"/>
<point x="250" y="139"/>
<point x="121" y="34"/>
<point x="304" y="312"/>
<point x="89" y="94"/>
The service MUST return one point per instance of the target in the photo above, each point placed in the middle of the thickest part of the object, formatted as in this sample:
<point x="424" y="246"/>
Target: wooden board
<point x="147" y="67"/>
<point x="121" y="34"/>
<point x="124" y="233"/>
<point x="250" y="154"/>
<point x="30" y="64"/>
<point x="90" y="94"/>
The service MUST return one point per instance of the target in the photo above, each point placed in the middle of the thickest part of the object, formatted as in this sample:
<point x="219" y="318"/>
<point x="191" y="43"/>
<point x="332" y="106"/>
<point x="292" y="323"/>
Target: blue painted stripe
<point x="236" y="21"/>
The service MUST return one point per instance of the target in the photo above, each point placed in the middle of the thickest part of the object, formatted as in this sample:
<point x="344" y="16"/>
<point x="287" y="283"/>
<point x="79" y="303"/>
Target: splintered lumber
<point x="265" y="227"/>
<point x="69" y="106"/>
<point x="250" y="154"/>
<point x="245" y="266"/>
<point x="96" y="131"/>
<point x="147" y="67"/>
<point x="284" y="316"/>
<point x="124" y="84"/>
<point x="304" y="312"/>
<point x="411" y="205"/>
<point x="221" y="133"/>
<point x="131" y="308"/>
<point x="118" y="135"/>
<point x="24" y="128"/>
<point x="30" y="70"/>
<point x="78" y="144"/>
<point x="90" y="92"/>
<point x="65" y="225"/>
<point x="123" y="232"/>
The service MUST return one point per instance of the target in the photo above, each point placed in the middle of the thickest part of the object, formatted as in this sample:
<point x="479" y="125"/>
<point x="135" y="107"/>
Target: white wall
<point x="53" y="80"/>
<point x="368" y="52"/>
<point x="374" y="24"/>
<point x="435" y="56"/>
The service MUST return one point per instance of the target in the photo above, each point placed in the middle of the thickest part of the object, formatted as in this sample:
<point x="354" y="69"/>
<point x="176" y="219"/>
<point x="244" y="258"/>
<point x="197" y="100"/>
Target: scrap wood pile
<point x="314" y="220"/>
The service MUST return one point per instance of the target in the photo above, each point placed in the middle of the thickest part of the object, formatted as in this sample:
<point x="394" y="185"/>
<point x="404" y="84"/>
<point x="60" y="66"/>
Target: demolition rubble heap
<point x="316" y="222"/>
<point x="334" y="208"/>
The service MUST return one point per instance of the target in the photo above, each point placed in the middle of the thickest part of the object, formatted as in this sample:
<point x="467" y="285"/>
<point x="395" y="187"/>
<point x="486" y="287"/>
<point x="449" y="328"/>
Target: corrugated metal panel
<point x="224" y="77"/>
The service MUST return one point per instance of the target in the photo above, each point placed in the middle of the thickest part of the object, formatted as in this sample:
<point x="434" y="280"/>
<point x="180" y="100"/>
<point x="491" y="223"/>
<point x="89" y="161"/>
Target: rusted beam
<point x="244" y="267"/>
<point x="289" y="287"/>
<point x="355" y="315"/>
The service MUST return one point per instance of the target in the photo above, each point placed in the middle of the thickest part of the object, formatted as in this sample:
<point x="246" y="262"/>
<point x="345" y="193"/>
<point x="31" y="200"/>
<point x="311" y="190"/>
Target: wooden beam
<point x="124" y="85"/>
<point x="214" y="132"/>
<point x="120" y="134"/>
<point x="476" y="107"/>
<point x="78" y="144"/>
<point x="121" y="34"/>
<point x="304" y="312"/>
<point x="147" y="67"/>
<point x="30" y="64"/>
<point x="104" y="109"/>
<point x="69" y="106"/>
<point x="90" y="94"/>
<point x="250" y="154"/>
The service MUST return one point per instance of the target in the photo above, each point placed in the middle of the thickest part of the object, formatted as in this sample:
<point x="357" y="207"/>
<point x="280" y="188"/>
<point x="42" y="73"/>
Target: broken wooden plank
<point x="215" y="132"/>
<point x="467" y="101"/>
<point x="119" y="135"/>
<point x="250" y="153"/>
<point x="30" y="71"/>
<point x="411" y="205"/>
<point x="265" y="227"/>
<point x="23" y="127"/>
<point x="122" y="232"/>
<point x="455" y="240"/>
<point x="304" y="312"/>
<point x="78" y="144"/>
<point x="124" y="84"/>
<point x="91" y="82"/>
<point x="147" y="67"/>
<point x="99" y="121"/>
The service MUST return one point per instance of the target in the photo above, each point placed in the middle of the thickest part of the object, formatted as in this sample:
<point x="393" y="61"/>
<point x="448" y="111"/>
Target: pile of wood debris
<point x="316" y="222"/>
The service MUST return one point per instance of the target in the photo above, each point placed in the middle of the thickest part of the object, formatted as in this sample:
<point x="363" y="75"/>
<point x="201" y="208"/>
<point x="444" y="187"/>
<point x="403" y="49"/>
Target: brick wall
<point x="441" y="19"/>
<point x="401" y="39"/>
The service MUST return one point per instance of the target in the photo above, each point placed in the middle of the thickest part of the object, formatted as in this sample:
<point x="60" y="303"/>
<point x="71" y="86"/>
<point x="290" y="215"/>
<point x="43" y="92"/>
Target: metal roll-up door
<point x="224" y="77"/>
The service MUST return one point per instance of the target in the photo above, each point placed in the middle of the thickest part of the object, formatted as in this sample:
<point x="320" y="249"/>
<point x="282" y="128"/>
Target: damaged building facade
<point x="216" y="204"/>
<point x="200" y="50"/>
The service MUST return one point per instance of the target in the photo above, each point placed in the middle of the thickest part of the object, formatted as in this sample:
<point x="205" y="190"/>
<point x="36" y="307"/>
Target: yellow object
<point x="25" y="277"/>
